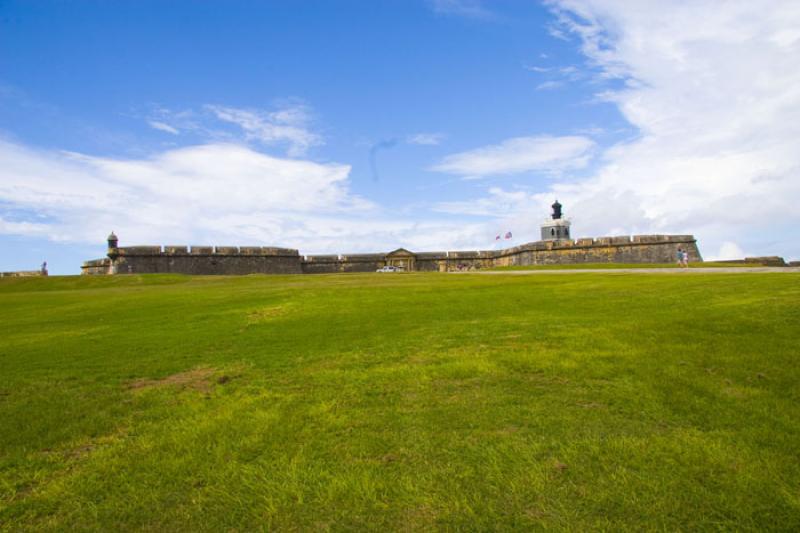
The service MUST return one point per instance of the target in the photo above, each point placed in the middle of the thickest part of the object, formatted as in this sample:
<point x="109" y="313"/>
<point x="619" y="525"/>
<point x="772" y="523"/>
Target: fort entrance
<point x="401" y="258"/>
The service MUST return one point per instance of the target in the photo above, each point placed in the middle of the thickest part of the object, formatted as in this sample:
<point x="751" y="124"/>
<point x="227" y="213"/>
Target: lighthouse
<point x="556" y="228"/>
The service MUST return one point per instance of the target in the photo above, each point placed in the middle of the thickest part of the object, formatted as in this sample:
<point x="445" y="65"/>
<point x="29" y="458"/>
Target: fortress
<point x="555" y="248"/>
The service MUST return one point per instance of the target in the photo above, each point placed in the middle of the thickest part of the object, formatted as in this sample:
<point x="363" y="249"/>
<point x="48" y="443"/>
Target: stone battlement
<point x="182" y="250"/>
<point x="23" y="274"/>
<point x="270" y="260"/>
<point x="199" y="260"/>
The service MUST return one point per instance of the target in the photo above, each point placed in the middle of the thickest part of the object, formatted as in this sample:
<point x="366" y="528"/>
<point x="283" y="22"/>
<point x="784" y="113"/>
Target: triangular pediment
<point x="400" y="252"/>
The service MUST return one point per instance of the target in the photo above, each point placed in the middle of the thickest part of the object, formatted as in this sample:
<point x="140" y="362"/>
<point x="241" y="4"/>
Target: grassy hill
<point x="404" y="402"/>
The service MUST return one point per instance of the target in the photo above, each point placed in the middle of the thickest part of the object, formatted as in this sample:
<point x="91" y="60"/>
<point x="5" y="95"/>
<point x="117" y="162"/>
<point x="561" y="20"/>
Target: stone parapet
<point x="22" y="274"/>
<point x="363" y="257"/>
<point x="176" y="250"/>
<point x="172" y="250"/>
<point x="226" y="250"/>
<point x="250" y="250"/>
<point x="138" y="250"/>
<point x="281" y="252"/>
<point x="463" y="255"/>
<point x="97" y="267"/>
<point x="201" y="250"/>
<point x="771" y="260"/>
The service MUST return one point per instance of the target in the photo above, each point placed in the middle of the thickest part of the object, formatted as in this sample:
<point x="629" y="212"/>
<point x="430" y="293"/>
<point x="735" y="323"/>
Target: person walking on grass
<point x="679" y="256"/>
<point x="685" y="259"/>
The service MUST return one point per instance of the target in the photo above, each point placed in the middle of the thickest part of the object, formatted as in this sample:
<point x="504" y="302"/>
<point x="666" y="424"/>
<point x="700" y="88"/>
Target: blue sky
<point x="367" y="125"/>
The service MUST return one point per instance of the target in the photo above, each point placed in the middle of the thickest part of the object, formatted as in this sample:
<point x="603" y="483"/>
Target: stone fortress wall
<point x="231" y="260"/>
<point x="23" y="274"/>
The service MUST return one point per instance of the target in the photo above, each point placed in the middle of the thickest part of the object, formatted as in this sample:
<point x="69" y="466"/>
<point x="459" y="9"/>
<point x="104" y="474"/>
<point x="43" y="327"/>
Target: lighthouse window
<point x="566" y="232"/>
<point x="552" y="232"/>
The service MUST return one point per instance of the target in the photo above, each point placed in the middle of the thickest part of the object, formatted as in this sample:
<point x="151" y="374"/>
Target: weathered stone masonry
<point x="231" y="260"/>
<point x="228" y="260"/>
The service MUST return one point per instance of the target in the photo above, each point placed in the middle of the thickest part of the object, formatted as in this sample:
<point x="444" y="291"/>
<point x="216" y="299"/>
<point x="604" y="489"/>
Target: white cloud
<point x="217" y="194"/>
<point x="10" y="227"/>
<point x="289" y="125"/>
<point x="714" y="90"/>
<point x="172" y="121"/>
<point x="498" y="203"/>
<point x="521" y="154"/>
<point x="538" y="70"/>
<point x="559" y="76"/>
<point x="200" y="192"/>
<point x="728" y="250"/>
<point x="429" y="139"/>
<point x="548" y="85"/>
<point x="155" y="124"/>
<point x="591" y="131"/>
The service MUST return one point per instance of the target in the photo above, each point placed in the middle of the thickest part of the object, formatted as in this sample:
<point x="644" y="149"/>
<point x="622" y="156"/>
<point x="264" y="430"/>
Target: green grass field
<point x="400" y="402"/>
